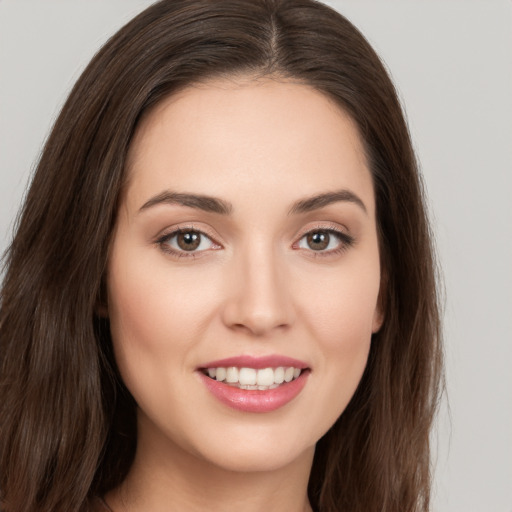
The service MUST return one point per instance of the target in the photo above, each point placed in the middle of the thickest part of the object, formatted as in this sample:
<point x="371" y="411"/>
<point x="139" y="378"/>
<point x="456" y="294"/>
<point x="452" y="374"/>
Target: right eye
<point x="186" y="242"/>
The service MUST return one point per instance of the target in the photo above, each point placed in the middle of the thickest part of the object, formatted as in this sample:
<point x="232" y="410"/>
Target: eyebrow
<point x="201" y="202"/>
<point x="215" y="205"/>
<point x="322" y="200"/>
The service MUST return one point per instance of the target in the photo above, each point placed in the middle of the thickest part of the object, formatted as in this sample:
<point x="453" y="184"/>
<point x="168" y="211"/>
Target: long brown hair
<point x="67" y="429"/>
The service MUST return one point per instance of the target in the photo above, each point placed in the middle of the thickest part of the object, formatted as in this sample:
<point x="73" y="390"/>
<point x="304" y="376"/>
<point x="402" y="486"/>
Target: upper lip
<point x="257" y="362"/>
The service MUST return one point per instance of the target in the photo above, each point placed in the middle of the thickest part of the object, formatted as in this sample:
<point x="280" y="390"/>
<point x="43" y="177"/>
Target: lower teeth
<point x="252" y="388"/>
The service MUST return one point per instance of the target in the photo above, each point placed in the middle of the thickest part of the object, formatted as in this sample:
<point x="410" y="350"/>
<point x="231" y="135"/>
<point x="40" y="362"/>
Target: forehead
<point x="225" y="136"/>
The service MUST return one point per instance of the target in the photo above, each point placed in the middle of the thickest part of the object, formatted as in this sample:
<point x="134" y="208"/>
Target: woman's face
<point x="245" y="245"/>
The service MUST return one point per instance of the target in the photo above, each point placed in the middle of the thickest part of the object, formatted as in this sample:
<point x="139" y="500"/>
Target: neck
<point x="167" y="477"/>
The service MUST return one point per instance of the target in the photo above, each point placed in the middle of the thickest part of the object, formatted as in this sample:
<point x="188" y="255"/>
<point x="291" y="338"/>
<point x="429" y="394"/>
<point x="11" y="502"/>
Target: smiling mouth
<point x="261" y="379"/>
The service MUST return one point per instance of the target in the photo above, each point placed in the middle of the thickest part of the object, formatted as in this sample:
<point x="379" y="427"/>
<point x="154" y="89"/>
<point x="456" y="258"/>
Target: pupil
<point x="189" y="241"/>
<point x="318" y="240"/>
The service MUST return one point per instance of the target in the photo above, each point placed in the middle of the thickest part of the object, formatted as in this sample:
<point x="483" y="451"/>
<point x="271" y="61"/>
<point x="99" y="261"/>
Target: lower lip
<point x="253" y="400"/>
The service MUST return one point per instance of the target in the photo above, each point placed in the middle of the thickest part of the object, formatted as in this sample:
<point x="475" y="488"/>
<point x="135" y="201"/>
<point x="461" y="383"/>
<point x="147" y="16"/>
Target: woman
<point x="221" y="292"/>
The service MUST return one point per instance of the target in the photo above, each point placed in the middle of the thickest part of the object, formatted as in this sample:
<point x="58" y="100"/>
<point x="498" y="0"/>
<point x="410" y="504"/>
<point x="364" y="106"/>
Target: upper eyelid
<point x="174" y="230"/>
<point x="342" y="235"/>
<point x="165" y="237"/>
<point x="324" y="226"/>
<point x="332" y="227"/>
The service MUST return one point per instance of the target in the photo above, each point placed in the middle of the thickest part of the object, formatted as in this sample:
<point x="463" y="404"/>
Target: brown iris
<point x="318" y="240"/>
<point x="188" y="240"/>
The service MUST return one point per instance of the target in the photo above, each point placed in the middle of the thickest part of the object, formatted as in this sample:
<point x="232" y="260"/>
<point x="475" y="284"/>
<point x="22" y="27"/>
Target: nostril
<point x="259" y="302"/>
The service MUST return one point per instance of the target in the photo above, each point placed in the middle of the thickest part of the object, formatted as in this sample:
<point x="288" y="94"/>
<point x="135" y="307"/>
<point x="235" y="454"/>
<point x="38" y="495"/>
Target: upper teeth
<point x="265" y="377"/>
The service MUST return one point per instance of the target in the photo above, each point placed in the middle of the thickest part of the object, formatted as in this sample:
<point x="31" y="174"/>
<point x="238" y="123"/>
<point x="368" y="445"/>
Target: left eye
<point x="321" y="240"/>
<point x="188" y="241"/>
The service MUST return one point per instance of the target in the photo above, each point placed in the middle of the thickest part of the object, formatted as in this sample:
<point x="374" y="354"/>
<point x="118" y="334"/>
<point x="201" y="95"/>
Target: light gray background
<point x="451" y="60"/>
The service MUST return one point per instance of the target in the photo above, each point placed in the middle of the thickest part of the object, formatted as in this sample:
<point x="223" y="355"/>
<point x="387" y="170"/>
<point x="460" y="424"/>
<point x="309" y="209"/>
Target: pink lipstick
<point x="255" y="384"/>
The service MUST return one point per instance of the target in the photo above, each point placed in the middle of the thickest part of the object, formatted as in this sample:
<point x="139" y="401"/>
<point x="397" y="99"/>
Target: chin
<point x="256" y="450"/>
<point x="244" y="459"/>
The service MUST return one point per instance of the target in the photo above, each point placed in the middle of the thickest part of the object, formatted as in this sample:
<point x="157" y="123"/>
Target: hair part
<point x="67" y="423"/>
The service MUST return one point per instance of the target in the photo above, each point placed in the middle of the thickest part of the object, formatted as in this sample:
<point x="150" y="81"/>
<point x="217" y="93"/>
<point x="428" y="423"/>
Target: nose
<point x="258" y="297"/>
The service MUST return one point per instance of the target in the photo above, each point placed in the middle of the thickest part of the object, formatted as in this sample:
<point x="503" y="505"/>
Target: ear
<point x="378" y="318"/>
<point x="379" y="314"/>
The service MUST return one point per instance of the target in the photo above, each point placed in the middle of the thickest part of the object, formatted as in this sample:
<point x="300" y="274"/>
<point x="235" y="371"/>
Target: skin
<point x="254" y="287"/>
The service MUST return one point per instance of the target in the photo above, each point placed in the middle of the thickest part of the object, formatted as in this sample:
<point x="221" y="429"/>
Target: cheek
<point x="157" y="315"/>
<point x="137" y="310"/>
<point x="341" y="321"/>
<point x="148" y="305"/>
<point x="342" y="316"/>
<point x="154" y="325"/>
<point x="343" y="327"/>
<point x="141" y="318"/>
<point x="136" y="329"/>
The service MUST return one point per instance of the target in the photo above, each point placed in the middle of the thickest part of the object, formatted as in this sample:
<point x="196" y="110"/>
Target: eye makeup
<point x="186" y="241"/>
<point x="190" y="241"/>
<point x="325" y="242"/>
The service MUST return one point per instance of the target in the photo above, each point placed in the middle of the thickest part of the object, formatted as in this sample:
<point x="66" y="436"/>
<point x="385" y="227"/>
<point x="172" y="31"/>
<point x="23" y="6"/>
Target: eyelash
<point x="163" y="242"/>
<point x="345" y="242"/>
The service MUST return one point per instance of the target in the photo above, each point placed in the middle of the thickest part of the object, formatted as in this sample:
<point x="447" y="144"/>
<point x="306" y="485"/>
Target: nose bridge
<point x="259" y="300"/>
